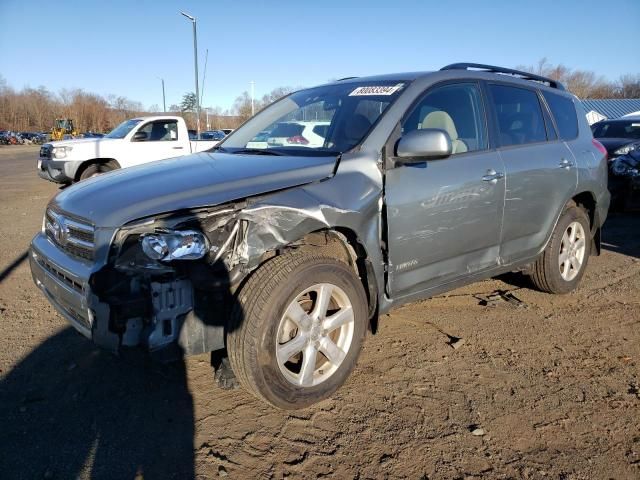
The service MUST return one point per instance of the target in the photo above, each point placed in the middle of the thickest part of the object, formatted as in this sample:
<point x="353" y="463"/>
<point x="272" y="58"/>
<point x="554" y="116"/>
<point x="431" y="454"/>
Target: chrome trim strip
<point x="79" y="243"/>
<point x="79" y="226"/>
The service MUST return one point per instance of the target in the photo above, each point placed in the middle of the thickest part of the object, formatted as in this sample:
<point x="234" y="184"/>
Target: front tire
<point x="297" y="329"/>
<point x="95" y="169"/>
<point x="562" y="264"/>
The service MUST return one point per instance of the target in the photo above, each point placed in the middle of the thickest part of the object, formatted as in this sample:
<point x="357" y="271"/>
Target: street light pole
<point x="195" y="61"/>
<point x="164" y="103"/>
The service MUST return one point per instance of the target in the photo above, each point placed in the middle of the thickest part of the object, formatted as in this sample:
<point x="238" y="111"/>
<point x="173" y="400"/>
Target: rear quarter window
<point x="564" y="112"/>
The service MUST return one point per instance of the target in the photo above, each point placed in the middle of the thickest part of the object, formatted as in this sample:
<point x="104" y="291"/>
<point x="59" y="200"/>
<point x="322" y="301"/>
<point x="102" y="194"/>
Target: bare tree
<point x="629" y="86"/>
<point x="582" y="83"/>
<point x="242" y="104"/>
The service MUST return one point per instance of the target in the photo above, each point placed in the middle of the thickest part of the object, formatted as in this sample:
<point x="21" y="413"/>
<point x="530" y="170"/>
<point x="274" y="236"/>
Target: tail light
<point x="600" y="147"/>
<point x="298" y="140"/>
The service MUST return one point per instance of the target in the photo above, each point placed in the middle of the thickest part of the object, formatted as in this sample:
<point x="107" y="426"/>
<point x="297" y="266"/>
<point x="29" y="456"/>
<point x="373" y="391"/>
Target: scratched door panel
<point x="443" y="220"/>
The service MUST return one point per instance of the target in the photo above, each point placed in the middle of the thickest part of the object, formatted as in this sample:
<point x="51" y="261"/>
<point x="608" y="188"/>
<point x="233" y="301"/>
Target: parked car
<point x="33" y="138"/>
<point x="618" y="135"/>
<point x="302" y="133"/>
<point x="133" y="142"/>
<point x="216" y="135"/>
<point x="92" y="135"/>
<point x="286" y="255"/>
<point x="260" y="140"/>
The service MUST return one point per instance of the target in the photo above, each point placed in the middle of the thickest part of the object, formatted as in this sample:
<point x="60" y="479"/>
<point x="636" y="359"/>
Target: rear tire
<point x="95" y="169"/>
<point x="562" y="264"/>
<point x="297" y="329"/>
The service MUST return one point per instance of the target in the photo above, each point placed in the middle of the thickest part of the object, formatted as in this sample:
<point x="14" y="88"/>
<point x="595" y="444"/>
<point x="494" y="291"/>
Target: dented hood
<point x="200" y="180"/>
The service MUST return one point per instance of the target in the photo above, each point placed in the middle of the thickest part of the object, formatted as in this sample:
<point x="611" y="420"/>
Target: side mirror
<point x="140" y="136"/>
<point x="420" y="145"/>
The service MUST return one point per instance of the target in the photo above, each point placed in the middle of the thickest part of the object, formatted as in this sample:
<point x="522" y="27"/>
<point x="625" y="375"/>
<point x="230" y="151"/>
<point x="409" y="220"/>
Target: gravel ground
<point x="545" y="388"/>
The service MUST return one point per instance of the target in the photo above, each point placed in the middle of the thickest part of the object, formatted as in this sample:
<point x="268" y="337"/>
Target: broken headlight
<point x="175" y="245"/>
<point x="621" y="167"/>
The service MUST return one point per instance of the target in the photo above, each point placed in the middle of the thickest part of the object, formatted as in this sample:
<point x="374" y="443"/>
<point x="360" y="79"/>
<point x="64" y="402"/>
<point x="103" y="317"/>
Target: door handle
<point x="177" y="148"/>
<point x="492" y="176"/>
<point x="564" y="163"/>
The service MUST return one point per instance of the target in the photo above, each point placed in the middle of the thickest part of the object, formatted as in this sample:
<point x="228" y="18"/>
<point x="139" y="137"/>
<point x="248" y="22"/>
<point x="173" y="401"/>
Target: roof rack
<point x="506" y="71"/>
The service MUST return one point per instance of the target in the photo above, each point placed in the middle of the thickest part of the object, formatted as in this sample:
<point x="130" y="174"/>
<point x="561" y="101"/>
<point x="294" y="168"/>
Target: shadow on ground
<point x="620" y="234"/>
<point x="68" y="405"/>
<point x="4" y="273"/>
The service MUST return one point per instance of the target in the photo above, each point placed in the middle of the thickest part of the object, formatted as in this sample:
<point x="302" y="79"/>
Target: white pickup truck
<point x="133" y="142"/>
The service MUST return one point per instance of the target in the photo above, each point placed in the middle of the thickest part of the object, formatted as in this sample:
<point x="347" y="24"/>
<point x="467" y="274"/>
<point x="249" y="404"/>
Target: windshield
<point x="121" y="130"/>
<point x="325" y="120"/>
<point x="617" y="129"/>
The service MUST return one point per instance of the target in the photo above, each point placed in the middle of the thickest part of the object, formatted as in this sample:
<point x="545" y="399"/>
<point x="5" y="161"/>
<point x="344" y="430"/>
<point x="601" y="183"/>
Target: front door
<point x="161" y="142"/>
<point x="444" y="216"/>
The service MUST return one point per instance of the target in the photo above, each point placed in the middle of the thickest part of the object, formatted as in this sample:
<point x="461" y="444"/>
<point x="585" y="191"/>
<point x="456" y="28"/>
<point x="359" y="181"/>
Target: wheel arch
<point x="587" y="200"/>
<point x="101" y="161"/>
<point x="343" y="244"/>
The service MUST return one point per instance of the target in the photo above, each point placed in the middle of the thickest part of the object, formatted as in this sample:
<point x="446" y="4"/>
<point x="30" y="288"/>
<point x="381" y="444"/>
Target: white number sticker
<point x="376" y="90"/>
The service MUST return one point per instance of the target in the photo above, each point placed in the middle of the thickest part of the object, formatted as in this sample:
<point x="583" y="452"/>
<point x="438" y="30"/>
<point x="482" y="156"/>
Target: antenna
<point x="204" y="74"/>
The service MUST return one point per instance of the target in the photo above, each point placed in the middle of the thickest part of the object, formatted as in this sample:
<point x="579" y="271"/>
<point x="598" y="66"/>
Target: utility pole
<point x="195" y="61"/>
<point x="253" y="84"/>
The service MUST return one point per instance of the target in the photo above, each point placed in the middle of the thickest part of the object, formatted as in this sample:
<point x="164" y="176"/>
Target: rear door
<point x="444" y="216"/>
<point x="540" y="169"/>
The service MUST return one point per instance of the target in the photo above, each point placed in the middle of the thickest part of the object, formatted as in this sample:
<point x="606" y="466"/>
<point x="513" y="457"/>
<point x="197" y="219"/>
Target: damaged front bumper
<point x="167" y="325"/>
<point x="65" y="283"/>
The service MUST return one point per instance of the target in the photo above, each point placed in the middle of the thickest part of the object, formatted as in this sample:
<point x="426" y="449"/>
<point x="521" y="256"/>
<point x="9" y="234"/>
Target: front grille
<point x="83" y="235"/>
<point x="76" y="238"/>
<point x="45" y="151"/>
<point x="59" y="275"/>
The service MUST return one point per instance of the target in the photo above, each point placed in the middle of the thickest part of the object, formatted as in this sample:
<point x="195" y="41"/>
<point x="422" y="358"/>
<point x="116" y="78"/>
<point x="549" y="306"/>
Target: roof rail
<point x="507" y="71"/>
<point x="345" y="78"/>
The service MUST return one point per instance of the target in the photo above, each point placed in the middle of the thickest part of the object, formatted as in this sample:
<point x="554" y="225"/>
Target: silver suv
<point x="286" y="255"/>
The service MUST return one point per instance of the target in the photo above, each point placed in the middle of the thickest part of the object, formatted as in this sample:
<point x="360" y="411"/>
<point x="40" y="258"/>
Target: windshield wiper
<point x="257" y="151"/>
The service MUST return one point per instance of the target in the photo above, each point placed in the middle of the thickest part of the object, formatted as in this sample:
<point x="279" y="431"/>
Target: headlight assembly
<point x="61" y="152"/>
<point x="175" y="245"/>
<point x="626" y="149"/>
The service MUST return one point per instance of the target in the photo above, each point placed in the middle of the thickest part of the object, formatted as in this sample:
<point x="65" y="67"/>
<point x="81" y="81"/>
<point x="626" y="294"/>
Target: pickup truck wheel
<point x="95" y="169"/>
<point x="562" y="264"/>
<point x="297" y="329"/>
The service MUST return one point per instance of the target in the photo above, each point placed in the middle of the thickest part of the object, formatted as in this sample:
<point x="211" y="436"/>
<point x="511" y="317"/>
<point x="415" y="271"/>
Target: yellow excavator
<point x="63" y="126"/>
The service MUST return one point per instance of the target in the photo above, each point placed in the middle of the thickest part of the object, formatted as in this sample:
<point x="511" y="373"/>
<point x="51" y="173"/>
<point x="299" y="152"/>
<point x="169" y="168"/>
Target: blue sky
<point x="123" y="47"/>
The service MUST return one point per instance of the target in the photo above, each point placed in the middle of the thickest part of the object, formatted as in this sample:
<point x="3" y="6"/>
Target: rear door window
<point x="564" y="112"/>
<point x="518" y="115"/>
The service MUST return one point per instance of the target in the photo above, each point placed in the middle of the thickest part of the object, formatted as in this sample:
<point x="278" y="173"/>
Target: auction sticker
<point x="376" y="90"/>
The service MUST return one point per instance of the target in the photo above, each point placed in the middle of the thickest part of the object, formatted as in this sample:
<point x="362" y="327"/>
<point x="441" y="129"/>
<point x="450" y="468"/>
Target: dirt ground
<point x="546" y="388"/>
